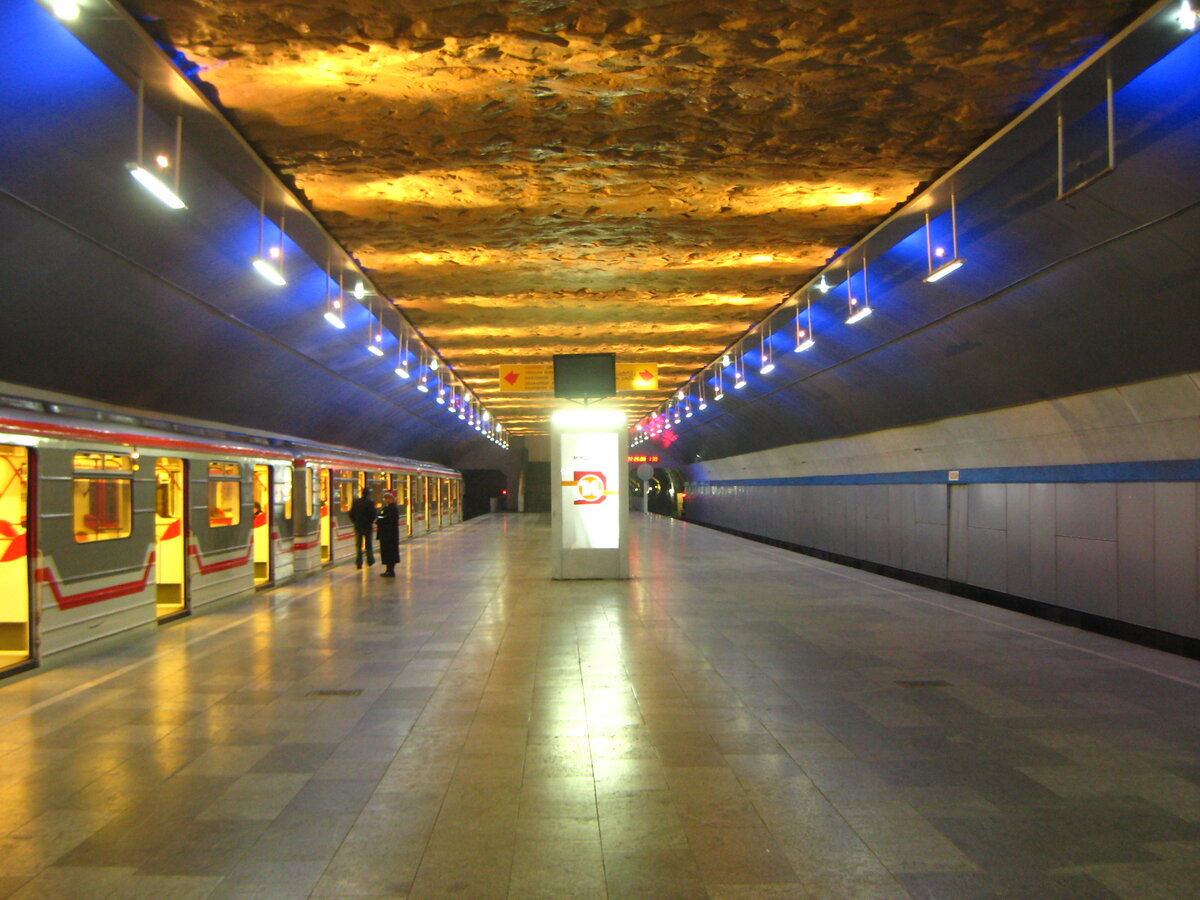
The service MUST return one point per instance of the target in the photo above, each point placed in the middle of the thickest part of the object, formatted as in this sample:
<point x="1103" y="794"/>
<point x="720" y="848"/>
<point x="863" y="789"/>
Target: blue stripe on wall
<point x="1166" y="470"/>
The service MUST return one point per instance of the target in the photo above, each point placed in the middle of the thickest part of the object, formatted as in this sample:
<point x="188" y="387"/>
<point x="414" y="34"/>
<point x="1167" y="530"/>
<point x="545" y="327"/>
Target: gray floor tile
<point x="827" y="735"/>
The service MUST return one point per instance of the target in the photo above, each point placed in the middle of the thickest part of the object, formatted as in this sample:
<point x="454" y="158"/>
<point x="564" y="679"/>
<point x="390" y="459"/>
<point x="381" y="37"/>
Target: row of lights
<point x="660" y="424"/>
<point x="268" y="263"/>
<point x="681" y="406"/>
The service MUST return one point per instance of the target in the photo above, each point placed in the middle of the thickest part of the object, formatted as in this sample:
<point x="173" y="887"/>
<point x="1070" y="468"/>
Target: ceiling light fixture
<point x="766" y="364"/>
<point x="858" y="312"/>
<point x="375" y="334"/>
<point x="804" y="337"/>
<point x="402" y="360"/>
<point x="269" y="265"/>
<point x="168" y="196"/>
<point x="67" y="10"/>
<point x="739" y="370"/>
<point x="1186" y="17"/>
<point x="955" y="262"/>
<point x="333" y="305"/>
<point x="702" y="403"/>
<point x="719" y="387"/>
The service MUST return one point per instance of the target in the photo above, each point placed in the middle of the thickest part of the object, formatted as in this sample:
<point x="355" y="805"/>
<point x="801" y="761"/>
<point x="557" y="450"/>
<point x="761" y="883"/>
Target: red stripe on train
<point x="219" y="566"/>
<point x="70" y="601"/>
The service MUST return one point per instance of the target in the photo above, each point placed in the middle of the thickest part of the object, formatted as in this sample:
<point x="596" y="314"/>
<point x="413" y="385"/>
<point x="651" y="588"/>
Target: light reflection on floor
<point x="735" y="722"/>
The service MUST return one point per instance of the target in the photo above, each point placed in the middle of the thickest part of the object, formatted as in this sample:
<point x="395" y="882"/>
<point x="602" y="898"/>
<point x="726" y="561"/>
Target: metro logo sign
<point x="592" y="487"/>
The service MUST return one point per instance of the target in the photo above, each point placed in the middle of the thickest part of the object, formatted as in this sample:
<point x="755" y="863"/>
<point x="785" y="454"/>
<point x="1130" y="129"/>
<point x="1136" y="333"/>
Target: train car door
<point x="326" y="516"/>
<point x="170" y="530"/>
<point x="408" y="505"/>
<point x="15" y="637"/>
<point x="425" y="479"/>
<point x="262" y="525"/>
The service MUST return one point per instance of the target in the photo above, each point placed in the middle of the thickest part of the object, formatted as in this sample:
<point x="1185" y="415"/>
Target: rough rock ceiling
<point x="535" y="177"/>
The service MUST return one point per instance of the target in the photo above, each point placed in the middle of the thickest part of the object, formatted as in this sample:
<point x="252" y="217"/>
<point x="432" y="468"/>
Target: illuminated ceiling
<point x="531" y="178"/>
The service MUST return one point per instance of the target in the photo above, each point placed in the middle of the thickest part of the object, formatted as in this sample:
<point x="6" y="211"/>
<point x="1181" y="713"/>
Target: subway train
<point x="112" y="521"/>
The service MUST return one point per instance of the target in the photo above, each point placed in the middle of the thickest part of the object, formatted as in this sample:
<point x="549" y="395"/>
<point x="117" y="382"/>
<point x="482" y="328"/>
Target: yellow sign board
<point x="637" y="376"/>
<point x="539" y="377"/>
<point x="527" y="377"/>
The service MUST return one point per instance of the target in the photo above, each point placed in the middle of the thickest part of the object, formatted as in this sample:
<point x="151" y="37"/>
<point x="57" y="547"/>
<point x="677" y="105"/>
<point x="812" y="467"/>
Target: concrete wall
<point x="1089" y="503"/>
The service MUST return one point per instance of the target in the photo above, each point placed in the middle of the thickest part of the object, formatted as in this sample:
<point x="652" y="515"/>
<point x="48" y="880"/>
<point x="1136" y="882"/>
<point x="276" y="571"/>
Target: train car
<point x="112" y="521"/>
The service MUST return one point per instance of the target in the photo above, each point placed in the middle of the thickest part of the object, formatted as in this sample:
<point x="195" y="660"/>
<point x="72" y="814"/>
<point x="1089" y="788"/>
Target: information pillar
<point x="589" y="508"/>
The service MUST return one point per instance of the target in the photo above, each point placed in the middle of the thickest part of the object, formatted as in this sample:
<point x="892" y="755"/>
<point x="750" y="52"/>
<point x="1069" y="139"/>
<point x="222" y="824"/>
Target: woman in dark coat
<point x="388" y="531"/>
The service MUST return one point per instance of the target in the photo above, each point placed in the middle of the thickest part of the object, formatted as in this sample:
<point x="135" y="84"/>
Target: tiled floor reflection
<point x="735" y="722"/>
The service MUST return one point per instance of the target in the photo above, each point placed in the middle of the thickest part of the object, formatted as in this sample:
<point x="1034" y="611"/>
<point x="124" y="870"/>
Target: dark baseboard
<point x="1166" y="641"/>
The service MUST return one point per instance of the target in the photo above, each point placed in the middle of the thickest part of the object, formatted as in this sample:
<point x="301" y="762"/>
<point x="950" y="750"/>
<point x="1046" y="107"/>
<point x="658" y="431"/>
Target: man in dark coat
<point x="389" y="535"/>
<point x="362" y="514"/>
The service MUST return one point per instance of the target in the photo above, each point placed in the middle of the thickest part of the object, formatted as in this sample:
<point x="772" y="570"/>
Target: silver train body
<point x="110" y="522"/>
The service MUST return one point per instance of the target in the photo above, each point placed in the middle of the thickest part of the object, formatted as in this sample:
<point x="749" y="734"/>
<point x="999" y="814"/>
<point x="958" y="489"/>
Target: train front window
<point x="224" y="494"/>
<point x="102" y="496"/>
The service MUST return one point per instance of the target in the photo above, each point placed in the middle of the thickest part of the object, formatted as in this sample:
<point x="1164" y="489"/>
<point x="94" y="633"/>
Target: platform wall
<point x="1088" y="503"/>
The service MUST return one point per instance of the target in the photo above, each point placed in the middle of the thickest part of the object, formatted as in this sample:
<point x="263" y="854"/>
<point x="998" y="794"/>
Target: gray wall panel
<point x="930" y="554"/>
<point x="1147" y="573"/>
<point x="1135" y="554"/>
<point x="1175" y="557"/>
<point x="987" y="558"/>
<point x="957" y="536"/>
<point x="987" y="506"/>
<point x="932" y="503"/>
<point x="1087" y="575"/>
<point x="1086" y="511"/>
<point x="1041" y="543"/>
<point x="1018" y="564"/>
<point x="900" y="525"/>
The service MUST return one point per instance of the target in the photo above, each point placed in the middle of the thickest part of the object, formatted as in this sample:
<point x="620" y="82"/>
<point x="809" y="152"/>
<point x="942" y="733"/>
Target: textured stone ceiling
<point x="536" y="177"/>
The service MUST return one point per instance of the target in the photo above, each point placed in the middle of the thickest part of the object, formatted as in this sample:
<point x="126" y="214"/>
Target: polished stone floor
<point x="735" y="722"/>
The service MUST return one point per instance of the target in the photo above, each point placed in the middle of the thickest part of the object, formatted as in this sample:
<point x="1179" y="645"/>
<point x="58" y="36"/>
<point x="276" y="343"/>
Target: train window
<point x="308" y="476"/>
<point x="103" y="496"/>
<point x="103" y="462"/>
<point x="283" y="494"/>
<point x="224" y="494"/>
<point x="345" y="492"/>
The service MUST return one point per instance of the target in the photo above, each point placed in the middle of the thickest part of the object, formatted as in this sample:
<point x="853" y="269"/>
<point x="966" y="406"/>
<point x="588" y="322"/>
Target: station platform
<point x="734" y="722"/>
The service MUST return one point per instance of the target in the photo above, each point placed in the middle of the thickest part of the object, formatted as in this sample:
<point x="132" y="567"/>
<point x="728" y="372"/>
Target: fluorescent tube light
<point x="858" y="315"/>
<point x="335" y="319"/>
<point x="67" y="10"/>
<point x="268" y="271"/>
<point x="154" y="185"/>
<point x="945" y="269"/>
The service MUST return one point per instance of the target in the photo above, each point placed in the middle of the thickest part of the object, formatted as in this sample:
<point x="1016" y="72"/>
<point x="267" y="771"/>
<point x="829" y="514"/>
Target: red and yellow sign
<point x="637" y="376"/>
<point x="534" y="377"/>
<point x="539" y="377"/>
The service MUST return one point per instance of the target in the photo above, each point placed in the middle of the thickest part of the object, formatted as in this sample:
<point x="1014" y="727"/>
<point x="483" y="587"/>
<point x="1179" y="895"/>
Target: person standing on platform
<point x="362" y="514"/>
<point x="389" y="535"/>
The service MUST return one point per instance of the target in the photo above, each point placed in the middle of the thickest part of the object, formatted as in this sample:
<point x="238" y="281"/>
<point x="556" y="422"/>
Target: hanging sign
<point x="539" y="377"/>
<point x="530" y="377"/>
<point x="637" y="376"/>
